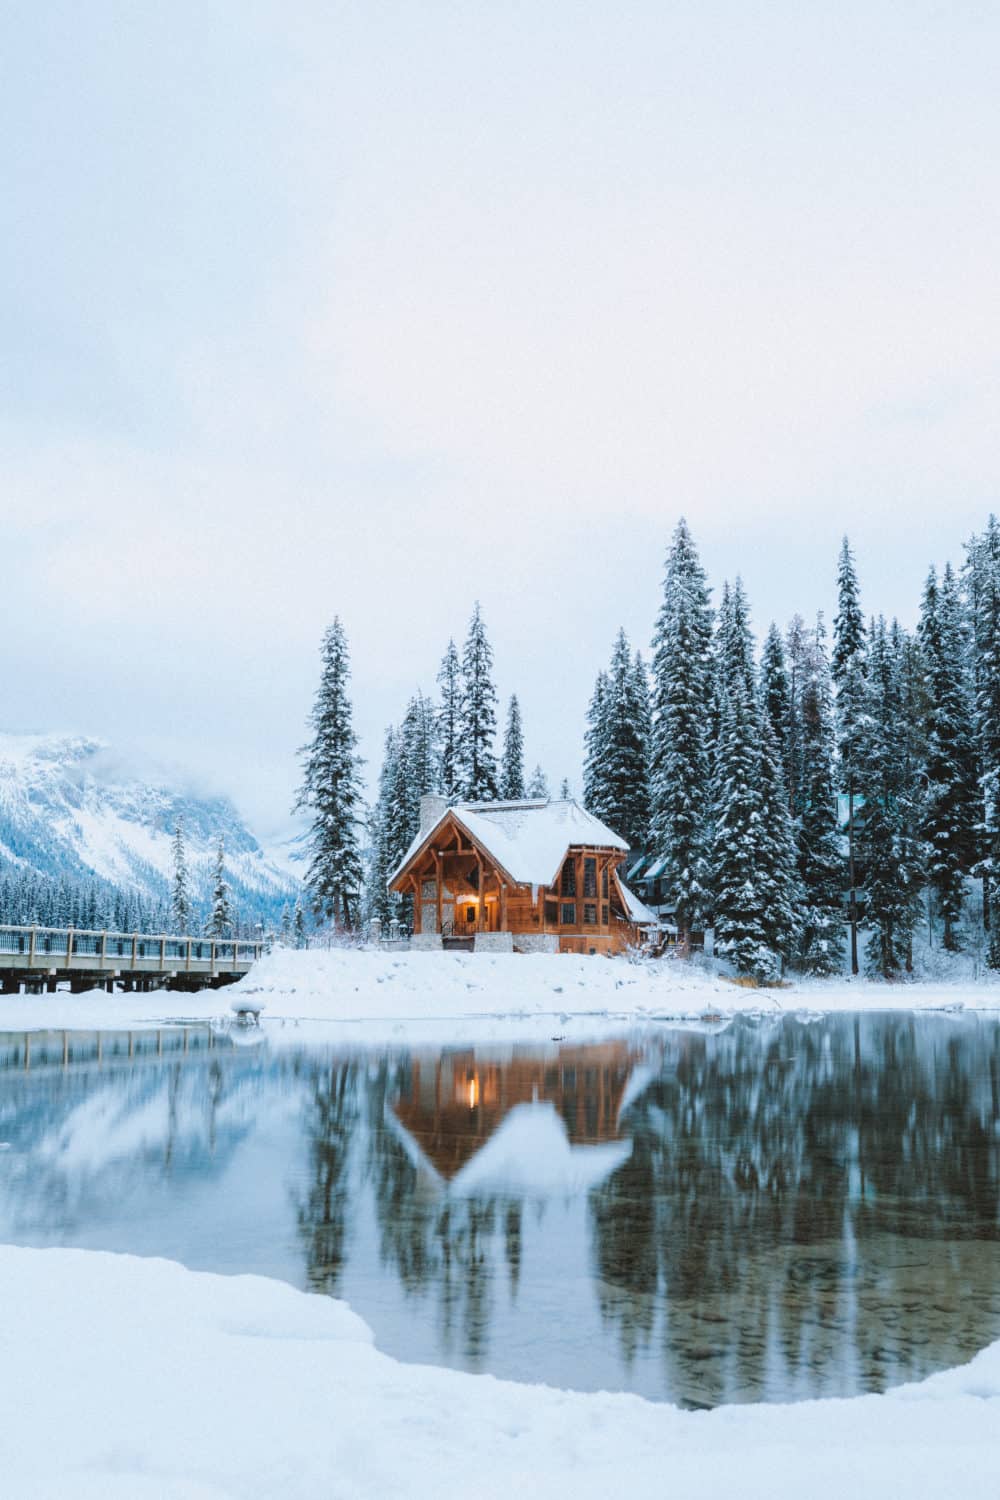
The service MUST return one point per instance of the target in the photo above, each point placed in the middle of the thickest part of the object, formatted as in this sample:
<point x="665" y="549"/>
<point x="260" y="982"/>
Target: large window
<point x="551" y="913"/>
<point x="569" y="914"/>
<point x="604" y="882"/>
<point x="590" y="914"/>
<point x="568" y="885"/>
<point x="590" y="876"/>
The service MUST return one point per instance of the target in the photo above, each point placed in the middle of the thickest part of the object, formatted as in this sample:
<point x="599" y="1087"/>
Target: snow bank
<point x="122" y="1379"/>
<point x="379" y="996"/>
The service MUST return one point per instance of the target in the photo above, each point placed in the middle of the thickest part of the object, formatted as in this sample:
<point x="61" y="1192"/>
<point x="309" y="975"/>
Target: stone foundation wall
<point x="494" y="942"/>
<point x="535" y="942"/>
<point x="425" y="942"/>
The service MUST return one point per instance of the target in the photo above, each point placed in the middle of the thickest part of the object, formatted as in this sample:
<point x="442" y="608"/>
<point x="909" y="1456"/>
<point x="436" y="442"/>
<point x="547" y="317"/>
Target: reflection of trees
<point x="322" y="1218"/>
<point x="784" y="1185"/>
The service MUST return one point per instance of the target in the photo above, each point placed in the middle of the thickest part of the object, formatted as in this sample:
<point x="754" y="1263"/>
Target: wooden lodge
<point x="524" y="877"/>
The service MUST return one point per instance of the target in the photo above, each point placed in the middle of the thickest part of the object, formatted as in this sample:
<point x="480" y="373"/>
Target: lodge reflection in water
<point x="776" y="1211"/>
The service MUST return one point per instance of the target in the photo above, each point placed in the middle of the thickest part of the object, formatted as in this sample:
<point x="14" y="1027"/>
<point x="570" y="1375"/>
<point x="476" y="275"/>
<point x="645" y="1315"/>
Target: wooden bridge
<point x="40" y="958"/>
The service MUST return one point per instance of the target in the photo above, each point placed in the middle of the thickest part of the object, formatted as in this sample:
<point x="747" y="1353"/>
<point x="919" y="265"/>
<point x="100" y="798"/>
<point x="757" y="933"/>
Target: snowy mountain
<point x="69" y="809"/>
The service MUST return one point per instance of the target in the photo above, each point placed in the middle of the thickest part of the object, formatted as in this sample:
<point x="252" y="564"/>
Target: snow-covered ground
<point x="375" y="996"/>
<point x="130" y="1378"/>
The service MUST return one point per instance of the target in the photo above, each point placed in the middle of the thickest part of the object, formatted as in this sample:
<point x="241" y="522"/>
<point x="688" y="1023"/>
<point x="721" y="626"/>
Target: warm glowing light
<point x="473" y="1087"/>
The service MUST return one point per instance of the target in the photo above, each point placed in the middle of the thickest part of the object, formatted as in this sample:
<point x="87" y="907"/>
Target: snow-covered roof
<point x="528" y="840"/>
<point x="637" y="910"/>
<point x="656" y="868"/>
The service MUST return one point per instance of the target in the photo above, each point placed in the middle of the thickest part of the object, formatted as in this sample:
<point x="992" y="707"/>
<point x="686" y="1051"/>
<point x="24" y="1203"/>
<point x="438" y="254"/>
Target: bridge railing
<point x="120" y="949"/>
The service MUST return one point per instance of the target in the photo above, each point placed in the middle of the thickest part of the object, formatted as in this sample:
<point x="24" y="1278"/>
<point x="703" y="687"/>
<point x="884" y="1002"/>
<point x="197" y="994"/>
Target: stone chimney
<point x="432" y="809"/>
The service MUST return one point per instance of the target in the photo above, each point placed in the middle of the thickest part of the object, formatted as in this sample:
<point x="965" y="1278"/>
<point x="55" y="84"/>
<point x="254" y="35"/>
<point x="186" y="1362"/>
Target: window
<point x="470" y="913"/>
<point x="590" y="914"/>
<point x="590" y="877"/>
<point x="604" y="882"/>
<point x="604" y="915"/>
<point x="551" y="913"/>
<point x="569" y="914"/>
<point x="568" y="887"/>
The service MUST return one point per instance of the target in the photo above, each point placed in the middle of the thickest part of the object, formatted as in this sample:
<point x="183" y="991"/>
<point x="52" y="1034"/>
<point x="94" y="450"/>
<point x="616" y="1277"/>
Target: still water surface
<point x="775" y="1211"/>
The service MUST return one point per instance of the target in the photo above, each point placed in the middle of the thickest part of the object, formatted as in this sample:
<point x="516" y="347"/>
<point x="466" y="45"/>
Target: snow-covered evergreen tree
<point x="778" y="704"/>
<point x="892" y="855"/>
<point x="538" y="785"/>
<point x="740" y="928"/>
<point x="512" y="764"/>
<point x="331" y="789"/>
<point x="594" y="741"/>
<point x="680" y="770"/>
<point x="822" y="868"/>
<point x="450" y="724"/>
<point x="478" y="716"/>
<point x="616" y="770"/>
<point x="777" y="867"/>
<point x="565" y="793"/>
<point x="950" y="804"/>
<point x="180" y="895"/>
<point x="983" y="577"/>
<point x="220" y="923"/>
<point x="299" y="934"/>
<point x="849" y="675"/>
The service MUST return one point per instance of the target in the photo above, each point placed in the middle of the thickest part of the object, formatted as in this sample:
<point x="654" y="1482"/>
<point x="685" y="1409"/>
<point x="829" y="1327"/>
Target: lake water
<point x="776" y="1211"/>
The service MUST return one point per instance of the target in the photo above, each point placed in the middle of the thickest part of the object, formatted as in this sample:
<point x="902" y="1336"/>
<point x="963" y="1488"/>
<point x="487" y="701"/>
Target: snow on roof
<point x="529" y="839"/>
<point x="637" y="910"/>
<point x="656" y="868"/>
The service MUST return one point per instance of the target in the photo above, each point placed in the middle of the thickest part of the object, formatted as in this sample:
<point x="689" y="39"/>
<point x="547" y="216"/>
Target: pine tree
<point x="983" y="574"/>
<point x="478" y="716"/>
<point x="594" y="747"/>
<point x="778" y="704"/>
<point x="777" y="869"/>
<point x="538" y="785"/>
<point x="180" y="899"/>
<point x="616" y="773"/>
<point x="680" y="770"/>
<point x="892" y="863"/>
<point x="852" y="700"/>
<point x="299" y="926"/>
<point x="740" y="931"/>
<point x="565" y="793"/>
<point x="331" y="789"/>
<point x="450" y="724"/>
<point x="512" y="765"/>
<point x="820" y="859"/>
<point x="950" y="810"/>
<point x="221" y="921"/>
<point x="799" y="649"/>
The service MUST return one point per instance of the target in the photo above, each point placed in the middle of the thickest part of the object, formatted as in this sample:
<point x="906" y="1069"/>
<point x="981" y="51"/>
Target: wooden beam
<point x="439" y="875"/>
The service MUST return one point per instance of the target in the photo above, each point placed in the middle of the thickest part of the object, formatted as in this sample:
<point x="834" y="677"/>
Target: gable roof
<point x="528" y="840"/>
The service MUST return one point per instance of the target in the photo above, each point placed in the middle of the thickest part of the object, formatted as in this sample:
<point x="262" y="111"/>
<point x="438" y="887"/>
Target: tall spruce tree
<point x="983" y="577"/>
<point x="180" y="896"/>
<point x="616" y="770"/>
<point x="849" y="676"/>
<point x="331" y="789"/>
<point x="594" y="742"/>
<point x="892" y="864"/>
<point x="450" y="724"/>
<point x="950" y="804"/>
<point x="778" y="704"/>
<point x="478" y="716"/>
<point x="680" y="771"/>
<point x="820" y="858"/>
<point x="512" y="764"/>
<point x="220" y="924"/>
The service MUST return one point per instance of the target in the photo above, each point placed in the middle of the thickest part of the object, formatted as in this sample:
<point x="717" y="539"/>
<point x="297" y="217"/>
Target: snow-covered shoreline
<point x="371" y="996"/>
<point x="134" y="1378"/>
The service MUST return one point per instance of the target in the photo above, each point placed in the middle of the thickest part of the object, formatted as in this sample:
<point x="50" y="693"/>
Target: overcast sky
<point x="375" y="309"/>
